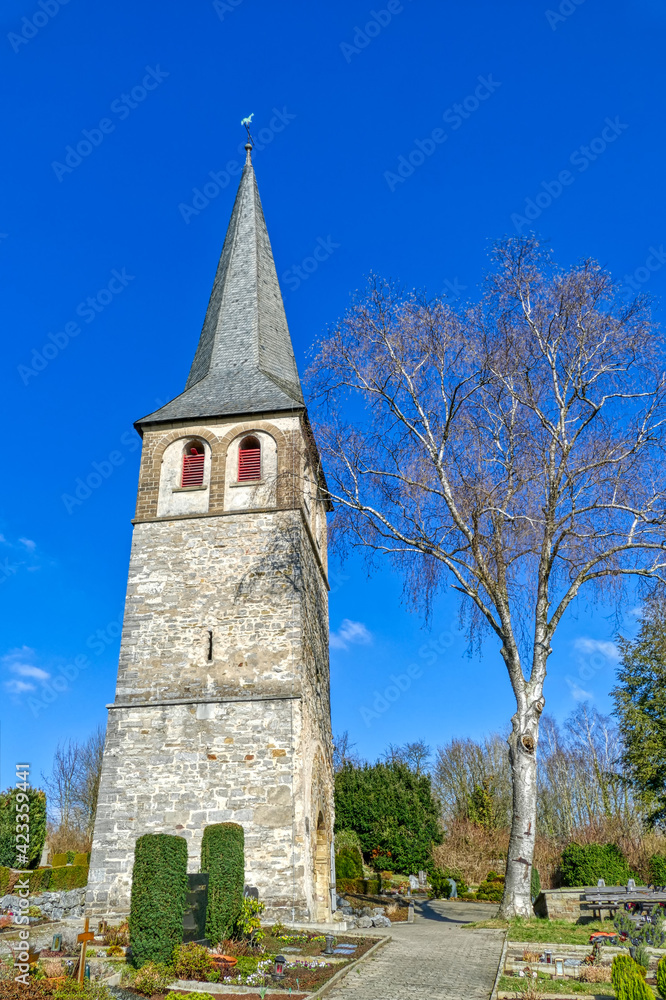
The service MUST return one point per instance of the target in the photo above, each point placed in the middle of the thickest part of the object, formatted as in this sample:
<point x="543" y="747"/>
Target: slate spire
<point x="245" y="361"/>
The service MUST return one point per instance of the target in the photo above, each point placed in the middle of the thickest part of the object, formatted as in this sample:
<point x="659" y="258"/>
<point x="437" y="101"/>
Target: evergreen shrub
<point x="661" y="977"/>
<point x="657" y="869"/>
<point x="535" y="883"/>
<point x="492" y="888"/>
<point x="440" y="886"/>
<point x="192" y="961"/>
<point x="223" y="857"/>
<point x="159" y="888"/>
<point x="634" y="987"/>
<point x="348" y="863"/>
<point x="585" y="864"/>
<point x="58" y="860"/>
<point x="82" y="859"/>
<point x="36" y="802"/>
<point x="623" y="968"/>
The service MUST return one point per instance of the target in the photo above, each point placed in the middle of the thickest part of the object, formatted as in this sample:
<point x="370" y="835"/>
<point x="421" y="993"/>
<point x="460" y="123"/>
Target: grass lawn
<point x="546" y="931"/>
<point x="511" y="984"/>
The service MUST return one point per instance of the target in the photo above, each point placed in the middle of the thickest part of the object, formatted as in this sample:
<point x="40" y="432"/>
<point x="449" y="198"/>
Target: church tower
<point x="222" y="709"/>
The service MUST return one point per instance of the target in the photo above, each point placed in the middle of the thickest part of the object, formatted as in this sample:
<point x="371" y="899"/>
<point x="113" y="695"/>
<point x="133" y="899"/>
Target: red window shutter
<point x="249" y="464"/>
<point x="193" y="470"/>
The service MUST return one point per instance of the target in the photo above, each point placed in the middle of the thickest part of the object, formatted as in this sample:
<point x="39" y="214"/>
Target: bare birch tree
<point x="513" y="447"/>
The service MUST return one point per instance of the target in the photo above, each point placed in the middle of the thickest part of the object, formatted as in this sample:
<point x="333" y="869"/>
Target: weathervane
<point x="247" y="122"/>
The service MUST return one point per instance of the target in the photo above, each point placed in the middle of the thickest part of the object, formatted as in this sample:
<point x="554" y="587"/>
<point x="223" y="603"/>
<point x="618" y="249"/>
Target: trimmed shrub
<point x="657" y="869"/>
<point x="586" y="864"/>
<point x="492" y="888"/>
<point x="58" y="860"/>
<point x="82" y="859"/>
<point x="10" y="800"/>
<point x="361" y="886"/>
<point x="69" y="877"/>
<point x="5" y="874"/>
<point x="223" y="857"/>
<point x="661" y="977"/>
<point x="70" y="855"/>
<point x="192" y="961"/>
<point x="39" y="880"/>
<point x="159" y="888"/>
<point x="535" y="883"/>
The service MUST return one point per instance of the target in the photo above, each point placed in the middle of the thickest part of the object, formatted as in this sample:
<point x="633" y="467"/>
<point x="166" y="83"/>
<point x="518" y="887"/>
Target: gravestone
<point x="422" y="878"/>
<point x="196" y="901"/>
<point x="251" y="892"/>
<point x="413" y="883"/>
<point x="454" y="888"/>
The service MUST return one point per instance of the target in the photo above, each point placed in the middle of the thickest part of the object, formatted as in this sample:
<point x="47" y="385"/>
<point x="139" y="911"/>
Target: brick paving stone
<point x="431" y="959"/>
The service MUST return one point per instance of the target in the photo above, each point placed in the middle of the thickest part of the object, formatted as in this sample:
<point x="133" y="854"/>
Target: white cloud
<point x="18" y="687"/>
<point x="350" y="633"/>
<point x="17" y="661"/>
<point x="577" y="692"/>
<point x="29" y="544"/>
<point x="600" y="647"/>
<point x="27" y="670"/>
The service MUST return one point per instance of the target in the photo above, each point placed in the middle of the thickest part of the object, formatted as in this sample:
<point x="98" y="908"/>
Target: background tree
<point x="343" y="752"/>
<point x="640" y="704"/>
<point x="514" y="447"/>
<point x="393" y="811"/>
<point x="73" y="787"/>
<point x="415" y="755"/>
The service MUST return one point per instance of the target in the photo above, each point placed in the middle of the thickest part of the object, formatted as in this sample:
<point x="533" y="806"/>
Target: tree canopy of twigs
<point x="512" y="448"/>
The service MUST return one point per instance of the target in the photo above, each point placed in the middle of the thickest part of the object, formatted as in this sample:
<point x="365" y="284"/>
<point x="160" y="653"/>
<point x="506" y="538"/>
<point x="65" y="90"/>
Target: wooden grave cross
<point x="83" y="939"/>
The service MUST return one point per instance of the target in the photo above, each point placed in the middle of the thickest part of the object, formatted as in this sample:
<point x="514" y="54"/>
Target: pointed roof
<point x="245" y="361"/>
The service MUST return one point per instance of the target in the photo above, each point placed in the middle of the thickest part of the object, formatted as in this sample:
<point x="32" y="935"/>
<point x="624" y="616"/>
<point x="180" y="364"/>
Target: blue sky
<point x="403" y="140"/>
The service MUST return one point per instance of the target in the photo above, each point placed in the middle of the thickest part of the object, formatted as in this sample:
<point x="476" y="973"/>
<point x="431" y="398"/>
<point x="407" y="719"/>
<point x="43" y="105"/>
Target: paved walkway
<point x="431" y="959"/>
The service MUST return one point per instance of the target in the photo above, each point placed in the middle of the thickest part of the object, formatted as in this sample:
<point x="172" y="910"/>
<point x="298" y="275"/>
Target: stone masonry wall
<point x="176" y="769"/>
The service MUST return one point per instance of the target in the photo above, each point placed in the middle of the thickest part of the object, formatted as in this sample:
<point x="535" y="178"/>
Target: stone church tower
<point x="222" y="703"/>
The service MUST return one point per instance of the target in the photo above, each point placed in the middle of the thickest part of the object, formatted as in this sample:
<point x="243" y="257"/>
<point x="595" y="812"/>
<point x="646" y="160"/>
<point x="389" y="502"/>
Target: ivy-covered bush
<point x="440" y="886"/>
<point x="36" y="802"/>
<point x="657" y="869"/>
<point x="585" y="864"/>
<point x="159" y="888"/>
<point x="492" y="888"/>
<point x="223" y="857"/>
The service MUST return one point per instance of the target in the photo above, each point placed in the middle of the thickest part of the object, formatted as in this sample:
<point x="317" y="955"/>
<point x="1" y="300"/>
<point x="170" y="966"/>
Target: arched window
<point x="249" y="460"/>
<point x="193" y="464"/>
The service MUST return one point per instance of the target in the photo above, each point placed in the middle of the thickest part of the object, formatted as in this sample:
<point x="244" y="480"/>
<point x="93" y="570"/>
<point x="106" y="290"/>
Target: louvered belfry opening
<point x="249" y="460"/>
<point x="193" y="464"/>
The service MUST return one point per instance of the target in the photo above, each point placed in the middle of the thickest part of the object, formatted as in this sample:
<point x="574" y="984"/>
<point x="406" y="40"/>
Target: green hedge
<point x="223" y="857"/>
<point x="58" y="860"/>
<point x="159" y="888"/>
<point x="492" y="888"/>
<point x="67" y="877"/>
<point x="8" y="819"/>
<point x="349" y="863"/>
<point x="82" y="859"/>
<point x="586" y="864"/>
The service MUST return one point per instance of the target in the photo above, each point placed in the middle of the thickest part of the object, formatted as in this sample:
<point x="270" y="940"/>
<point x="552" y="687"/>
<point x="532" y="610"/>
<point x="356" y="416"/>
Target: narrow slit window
<point x="193" y="465"/>
<point x="210" y="646"/>
<point x="249" y="460"/>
